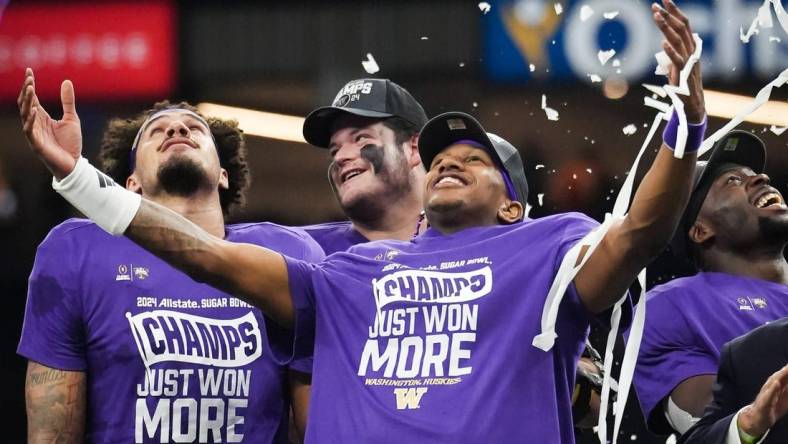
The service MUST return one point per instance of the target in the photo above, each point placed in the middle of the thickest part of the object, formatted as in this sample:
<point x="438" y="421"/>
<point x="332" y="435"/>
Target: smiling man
<point x="370" y="131"/>
<point x="121" y="346"/>
<point x="427" y="340"/>
<point x="734" y="230"/>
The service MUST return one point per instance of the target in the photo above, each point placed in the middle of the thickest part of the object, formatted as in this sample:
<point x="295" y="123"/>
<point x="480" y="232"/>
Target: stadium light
<point x="258" y="123"/>
<point x="726" y="105"/>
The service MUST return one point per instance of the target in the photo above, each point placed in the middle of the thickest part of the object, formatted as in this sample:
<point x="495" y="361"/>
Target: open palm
<point x="57" y="142"/>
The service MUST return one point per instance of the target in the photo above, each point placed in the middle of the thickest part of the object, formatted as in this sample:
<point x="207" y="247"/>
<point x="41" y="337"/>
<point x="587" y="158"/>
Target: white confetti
<point x="574" y="176"/>
<point x="558" y="8"/>
<point x="616" y="63"/>
<point x="532" y="67"/>
<point x="610" y="15"/>
<point x="586" y="12"/>
<point x="484" y="7"/>
<point x="550" y="112"/>
<point x="540" y="197"/>
<point x="594" y="78"/>
<point x="370" y="65"/>
<point x="658" y="90"/>
<point x="604" y="56"/>
<point x="539" y="166"/>
<point x="630" y="129"/>
<point x="588" y="170"/>
<point x="663" y="64"/>
<point x="774" y="39"/>
<point x="779" y="130"/>
<point x="475" y="104"/>
<point x="527" y="209"/>
<point x="763" y="20"/>
<point x="424" y="37"/>
<point x="462" y="64"/>
<point x="662" y="106"/>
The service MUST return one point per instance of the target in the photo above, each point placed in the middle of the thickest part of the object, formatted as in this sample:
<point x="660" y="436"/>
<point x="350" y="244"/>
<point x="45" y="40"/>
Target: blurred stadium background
<point x="285" y="58"/>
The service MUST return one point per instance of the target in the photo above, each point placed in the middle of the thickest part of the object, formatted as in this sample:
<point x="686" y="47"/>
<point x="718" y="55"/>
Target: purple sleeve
<point x="303" y="361"/>
<point x="574" y="232"/>
<point x="668" y="353"/>
<point x="53" y="332"/>
<point x="294" y="347"/>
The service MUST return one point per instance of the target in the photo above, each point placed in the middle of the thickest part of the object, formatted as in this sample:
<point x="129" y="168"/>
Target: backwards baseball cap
<point x="377" y="98"/>
<point x="737" y="148"/>
<point x="449" y="128"/>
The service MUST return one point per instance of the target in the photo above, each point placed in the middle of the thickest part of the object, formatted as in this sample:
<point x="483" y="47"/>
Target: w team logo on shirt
<point x="748" y="303"/>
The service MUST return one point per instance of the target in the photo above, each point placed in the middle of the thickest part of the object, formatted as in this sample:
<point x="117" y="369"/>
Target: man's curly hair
<point x="116" y="145"/>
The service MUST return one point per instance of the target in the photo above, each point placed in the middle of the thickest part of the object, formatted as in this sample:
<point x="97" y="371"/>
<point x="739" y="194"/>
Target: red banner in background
<point x="109" y="50"/>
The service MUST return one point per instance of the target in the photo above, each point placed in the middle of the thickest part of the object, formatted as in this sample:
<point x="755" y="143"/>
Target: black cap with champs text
<point x="376" y="98"/>
<point x="446" y="129"/>
<point x="736" y="148"/>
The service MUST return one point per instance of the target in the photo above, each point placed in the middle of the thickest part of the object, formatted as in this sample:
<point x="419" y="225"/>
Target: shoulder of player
<point x="571" y="223"/>
<point x="326" y="227"/>
<point x="74" y="228"/>
<point x="267" y="228"/>
<point x="676" y="290"/>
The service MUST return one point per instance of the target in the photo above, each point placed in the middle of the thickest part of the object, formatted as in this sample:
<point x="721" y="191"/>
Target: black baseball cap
<point x="737" y="148"/>
<point x="448" y="128"/>
<point x="377" y="98"/>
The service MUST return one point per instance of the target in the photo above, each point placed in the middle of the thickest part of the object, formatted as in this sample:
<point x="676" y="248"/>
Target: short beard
<point x="182" y="177"/>
<point x="395" y="177"/>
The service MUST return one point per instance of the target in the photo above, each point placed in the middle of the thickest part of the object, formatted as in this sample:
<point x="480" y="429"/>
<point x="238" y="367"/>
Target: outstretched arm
<point x="662" y="195"/>
<point x="253" y="273"/>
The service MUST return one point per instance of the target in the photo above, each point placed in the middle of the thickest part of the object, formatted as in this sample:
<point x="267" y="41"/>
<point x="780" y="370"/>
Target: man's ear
<point x="510" y="212"/>
<point x="133" y="184"/>
<point x="700" y="232"/>
<point x="412" y="151"/>
<point x="224" y="179"/>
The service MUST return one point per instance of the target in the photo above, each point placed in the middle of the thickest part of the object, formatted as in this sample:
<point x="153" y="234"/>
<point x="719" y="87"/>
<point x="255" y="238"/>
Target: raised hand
<point x="679" y="46"/>
<point x="58" y="143"/>
<point x="769" y="406"/>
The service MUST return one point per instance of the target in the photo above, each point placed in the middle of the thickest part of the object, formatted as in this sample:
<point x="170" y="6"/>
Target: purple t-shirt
<point x="430" y="340"/>
<point x="335" y="236"/>
<point x="689" y="319"/>
<point x="168" y="359"/>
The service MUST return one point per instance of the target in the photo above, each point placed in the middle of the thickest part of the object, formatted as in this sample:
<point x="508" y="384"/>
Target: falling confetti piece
<point x="540" y="197"/>
<point x="558" y="8"/>
<point x="539" y="166"/>
<point x="604" y="56"/>
<point x="594" y="78"/>
<point x="532" y="67"/>
<point x="425" y="37"/>
<point x="777" y="129"/>
<point x="663" y="64"/>
<point x="370" y="65"/>
<point x="550" y="112"/>
<point x="630" y="129"/>
<point x="574" y="176"/>
<point x="616" y="63"/>
<point x="475" y="104"/>
<point x="462" y="64"/>
<point x="610" y="15"/>
<point x="484" y="7"/>
<point x="588" y="170"/>
<point x="585" y="13"/>
<point x="774" y="39"/>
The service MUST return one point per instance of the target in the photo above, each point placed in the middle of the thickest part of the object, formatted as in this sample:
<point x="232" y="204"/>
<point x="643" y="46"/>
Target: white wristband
<point x="98" y="197"/>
